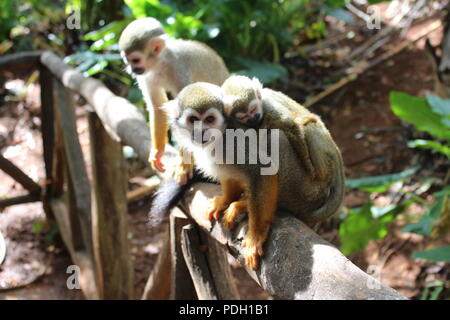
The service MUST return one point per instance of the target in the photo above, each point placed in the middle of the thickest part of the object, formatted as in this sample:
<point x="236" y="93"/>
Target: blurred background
<point x="377" y="72"/>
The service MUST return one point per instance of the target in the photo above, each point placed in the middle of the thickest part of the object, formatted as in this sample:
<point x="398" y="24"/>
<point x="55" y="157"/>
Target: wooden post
<point x="182" y="286"/>
<point x="196" y="262"/>
<point x="114" y="270"/>
<point x="220" y="268"/>
<point x="47" y="126"/>
<point x="75" y="162"/>
<point x="80" y="257"/>
<point x="158" y="284"/>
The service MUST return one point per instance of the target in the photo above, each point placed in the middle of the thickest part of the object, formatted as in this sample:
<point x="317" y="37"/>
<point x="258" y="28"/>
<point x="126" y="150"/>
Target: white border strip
<point x="2" y="248"/>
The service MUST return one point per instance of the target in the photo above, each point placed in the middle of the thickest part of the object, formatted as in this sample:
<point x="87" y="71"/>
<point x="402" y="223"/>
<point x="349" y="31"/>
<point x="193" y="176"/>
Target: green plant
<point x="369" y="222"/>
<point x="432" y="290"/>
<point x="430" y="114"/>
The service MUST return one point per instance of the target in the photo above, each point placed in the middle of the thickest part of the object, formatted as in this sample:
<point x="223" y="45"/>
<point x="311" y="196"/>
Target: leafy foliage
<point x="435" y="254"/>
<point x="366" y="223"/>
<point x="428" y="219"/>
<point x="379" y="183"/>
<point x="251" y="36"/>
<point x="432" y="290"/>
<point x="370" y="222"/>
<point x="430" y="114"/>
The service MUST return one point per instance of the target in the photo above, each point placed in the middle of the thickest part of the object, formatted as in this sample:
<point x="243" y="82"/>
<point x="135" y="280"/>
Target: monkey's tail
<point x="334" y="201"/>
<point x="168" y="195"/>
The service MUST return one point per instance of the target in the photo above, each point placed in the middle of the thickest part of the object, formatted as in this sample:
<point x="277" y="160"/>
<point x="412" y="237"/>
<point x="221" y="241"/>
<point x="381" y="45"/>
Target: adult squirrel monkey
<point x="162" y="65"/>
<point x="199" y="121"/>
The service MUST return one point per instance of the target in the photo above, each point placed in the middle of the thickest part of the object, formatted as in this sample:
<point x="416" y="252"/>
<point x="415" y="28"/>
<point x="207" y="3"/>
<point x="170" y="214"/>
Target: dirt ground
<point x="370" y="137"/>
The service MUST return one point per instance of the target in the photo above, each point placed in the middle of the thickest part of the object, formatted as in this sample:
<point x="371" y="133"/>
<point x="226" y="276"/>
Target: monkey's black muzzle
<point x="254" y="121"/>
<point x="138" y="70"/>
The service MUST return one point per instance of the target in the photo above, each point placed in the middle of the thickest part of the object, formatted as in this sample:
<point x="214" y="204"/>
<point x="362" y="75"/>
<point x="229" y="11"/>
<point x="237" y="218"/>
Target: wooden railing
<point x="91" y="215"/>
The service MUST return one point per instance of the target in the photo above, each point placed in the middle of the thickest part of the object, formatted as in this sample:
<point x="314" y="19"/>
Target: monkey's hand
<point x="183" y="169"/>
<point x="155" y="159"/>
<point x="216" y="207"/>
<point x="253" y="251"/>
<point x="182" y="172"/>
<point x="234" y="210"/>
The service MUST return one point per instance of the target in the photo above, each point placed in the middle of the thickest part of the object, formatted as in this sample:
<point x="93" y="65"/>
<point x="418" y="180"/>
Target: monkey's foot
<point x="234" y="210"/>
<point x="182" y="172"/>
<point x="253" y="252"/>
<point x="216" y="207"/>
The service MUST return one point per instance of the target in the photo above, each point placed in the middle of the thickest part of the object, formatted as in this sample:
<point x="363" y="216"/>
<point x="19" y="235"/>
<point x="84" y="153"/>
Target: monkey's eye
<point x="135" y="60"/>
<point x="210" y="119"/>
<point x="192" y="119"/>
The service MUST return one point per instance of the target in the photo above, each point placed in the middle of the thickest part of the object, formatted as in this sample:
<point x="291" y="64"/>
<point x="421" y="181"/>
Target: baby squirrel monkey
<point x="244" y="188"/>
<point x="256" y="107"/>
<point x="165" y="65"/>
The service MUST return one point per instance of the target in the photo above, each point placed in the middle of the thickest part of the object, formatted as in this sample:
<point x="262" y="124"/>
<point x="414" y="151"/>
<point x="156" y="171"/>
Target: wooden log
<point x="158" y="284"/>
<point x="19" y="62"/>
<point x="10" y="168"/>
<point x="220" y="269"/>
<point x="197" y="264"/>
<point x="70" y="199"/>
<point x="298" y="264"/>
<point x="121" y="118"/>
<point x="114" y="269"/>
<point x="47" y="125"/>
<point x="81" y="257"/>
<point x="78" y="177"/>
<point x="19" y="200"/>
<point x="182" y="287"/>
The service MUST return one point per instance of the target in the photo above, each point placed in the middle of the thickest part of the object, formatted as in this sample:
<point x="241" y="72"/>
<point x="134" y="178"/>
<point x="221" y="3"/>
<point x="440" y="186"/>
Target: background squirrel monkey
<point x="244" y="188"/>
<point x="165" y="65"/>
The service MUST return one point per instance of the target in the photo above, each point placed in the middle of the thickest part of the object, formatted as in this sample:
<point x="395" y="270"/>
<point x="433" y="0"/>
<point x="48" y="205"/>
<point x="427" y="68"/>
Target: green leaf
<point x="379" y="183"/>
<point x="425" y="224"/>
<point x="38" y="227"/>
<point x="266" y="72"/>
<point x="377" y="1"/>
<point x="113" y="29"/>
<point x="360" y="227"/>
<point x="439" y="105"/>
<point x="418" y="112"/>
<point x="339" y="13"/>
<point x="96" y="68"/>
<point x="435" y="254"/>
<point x="435" y="146"/>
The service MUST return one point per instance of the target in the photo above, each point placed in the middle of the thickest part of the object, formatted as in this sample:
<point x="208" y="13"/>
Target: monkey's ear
<point x="258" y="87"/>
<point x="157" y="45"/>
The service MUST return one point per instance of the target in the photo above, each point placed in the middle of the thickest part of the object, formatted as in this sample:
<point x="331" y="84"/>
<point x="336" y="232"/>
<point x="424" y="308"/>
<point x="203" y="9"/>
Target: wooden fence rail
<point x="92" y="219"/>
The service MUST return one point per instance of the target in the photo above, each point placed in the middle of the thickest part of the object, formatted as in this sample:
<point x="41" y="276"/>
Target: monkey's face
<point x="136" y="62"/>
<point x="201" y="127"/>
<point x="243" y="100"/>
<point x="249" y="114"/>
<point x="142" y="61"/>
